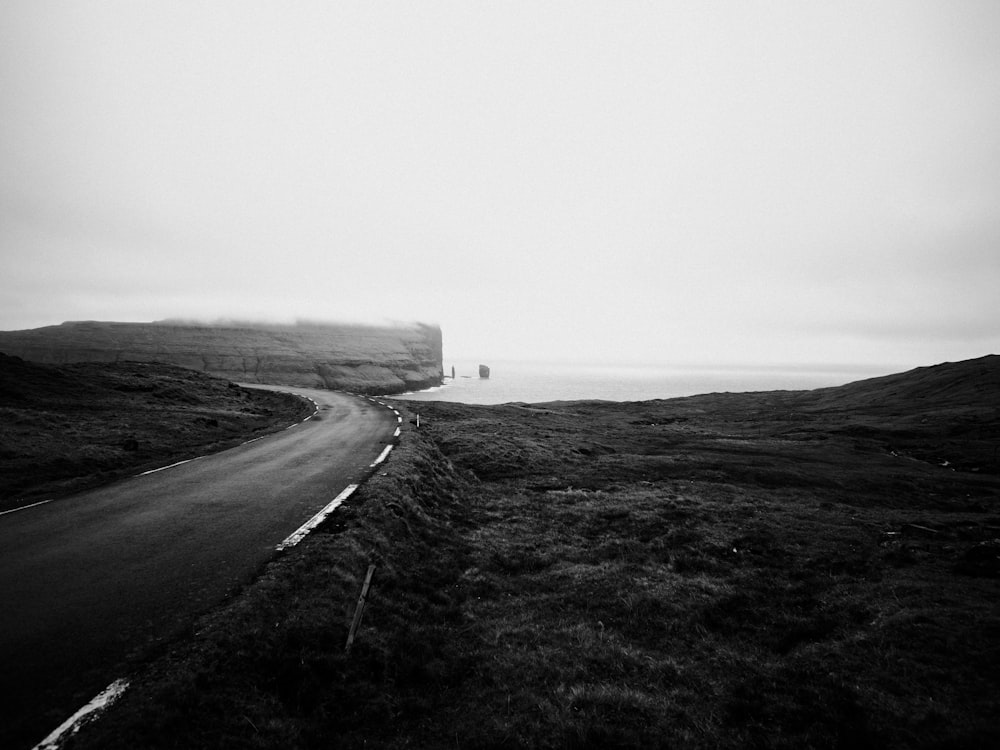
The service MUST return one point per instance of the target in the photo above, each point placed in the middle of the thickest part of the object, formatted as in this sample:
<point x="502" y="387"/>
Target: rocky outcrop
<point x="359" y="358"/>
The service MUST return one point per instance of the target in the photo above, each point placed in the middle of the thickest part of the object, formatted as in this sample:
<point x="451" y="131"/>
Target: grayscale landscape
<point x="532" y="375"/>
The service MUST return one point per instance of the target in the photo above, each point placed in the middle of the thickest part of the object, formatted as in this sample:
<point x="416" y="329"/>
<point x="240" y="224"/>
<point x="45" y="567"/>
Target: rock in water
<point x="484" y="371"/>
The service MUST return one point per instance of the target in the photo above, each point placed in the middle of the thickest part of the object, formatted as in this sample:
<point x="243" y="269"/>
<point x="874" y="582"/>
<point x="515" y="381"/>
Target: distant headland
<point x="388" y="358"/>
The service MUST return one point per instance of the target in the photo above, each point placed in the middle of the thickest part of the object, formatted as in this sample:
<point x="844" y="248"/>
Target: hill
<point x="972" y="384"/>
<point x="352" y="357"/>
<point x="947" y="414"/>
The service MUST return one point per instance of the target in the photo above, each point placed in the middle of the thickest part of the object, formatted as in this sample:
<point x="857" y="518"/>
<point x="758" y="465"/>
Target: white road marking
<point x="89" y="712"/>
<point x="162" y="468"/>
<point x="399" y="419"/>
<point x="396" y="433"/>
<point x="382" y="457"/>
<point x="24" y="507"/>
<point x="316" y="520"/>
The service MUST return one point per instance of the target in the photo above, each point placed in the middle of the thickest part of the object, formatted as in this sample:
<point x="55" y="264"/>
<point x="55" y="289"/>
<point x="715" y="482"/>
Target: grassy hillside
<point x="359" y="358"/>
<point x="722" y="571"/>
<point x="66" y="428"/>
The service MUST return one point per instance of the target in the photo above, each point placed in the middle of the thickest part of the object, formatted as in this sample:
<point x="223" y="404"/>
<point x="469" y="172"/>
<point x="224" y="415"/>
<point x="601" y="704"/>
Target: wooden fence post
<point x="360" y="609"/>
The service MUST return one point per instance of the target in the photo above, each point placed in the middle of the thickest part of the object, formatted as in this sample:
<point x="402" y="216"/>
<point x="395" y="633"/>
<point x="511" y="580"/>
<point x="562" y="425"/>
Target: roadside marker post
<point x="360" y="609"/>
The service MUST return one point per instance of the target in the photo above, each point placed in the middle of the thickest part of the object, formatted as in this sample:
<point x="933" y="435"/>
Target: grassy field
<point x="67" y="428"/>
<point x="779" y="570"/>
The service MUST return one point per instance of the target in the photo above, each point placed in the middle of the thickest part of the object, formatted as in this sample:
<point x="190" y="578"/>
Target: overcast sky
<point x="702" y="182"/>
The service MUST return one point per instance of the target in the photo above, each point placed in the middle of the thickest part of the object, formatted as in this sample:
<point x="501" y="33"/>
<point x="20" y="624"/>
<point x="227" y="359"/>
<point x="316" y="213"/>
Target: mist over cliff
<point x="388" y="358"/>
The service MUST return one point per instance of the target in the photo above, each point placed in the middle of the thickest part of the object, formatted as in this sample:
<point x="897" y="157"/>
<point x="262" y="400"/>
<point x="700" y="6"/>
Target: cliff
<point x="351" y="357"/>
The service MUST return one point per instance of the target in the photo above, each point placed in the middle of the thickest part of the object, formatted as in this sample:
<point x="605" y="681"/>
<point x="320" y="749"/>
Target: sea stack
<point x="484" y="371"/>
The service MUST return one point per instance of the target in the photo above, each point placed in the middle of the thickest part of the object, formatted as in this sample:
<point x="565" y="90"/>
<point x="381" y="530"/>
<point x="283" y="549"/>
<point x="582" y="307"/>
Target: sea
<point x="537" y="382"/>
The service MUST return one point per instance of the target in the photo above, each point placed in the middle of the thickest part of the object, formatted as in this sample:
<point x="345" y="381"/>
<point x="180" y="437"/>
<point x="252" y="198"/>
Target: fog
<point x="706" y="183"/>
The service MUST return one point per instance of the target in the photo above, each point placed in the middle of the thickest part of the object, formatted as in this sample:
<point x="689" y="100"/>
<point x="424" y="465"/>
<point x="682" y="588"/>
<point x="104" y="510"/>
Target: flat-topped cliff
<point x="388" y="358"/>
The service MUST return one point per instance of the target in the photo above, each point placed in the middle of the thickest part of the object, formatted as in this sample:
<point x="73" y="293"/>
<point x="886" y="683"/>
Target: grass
<point x="595" y="575"/>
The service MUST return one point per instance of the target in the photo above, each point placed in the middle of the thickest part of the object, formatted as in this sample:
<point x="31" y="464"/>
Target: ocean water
<point x="535" y="382"/>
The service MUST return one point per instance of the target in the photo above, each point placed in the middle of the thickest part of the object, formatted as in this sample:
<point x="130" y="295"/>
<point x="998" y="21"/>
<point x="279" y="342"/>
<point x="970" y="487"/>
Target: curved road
<point x="88" y="580"/>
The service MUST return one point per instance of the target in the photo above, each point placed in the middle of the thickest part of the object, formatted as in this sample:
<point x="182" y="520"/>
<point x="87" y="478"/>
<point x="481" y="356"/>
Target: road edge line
<point x="382" y="457"/>
<point x="299" y="534"/>
<point x="88" y="713"/>
<point x="24" y="507"/>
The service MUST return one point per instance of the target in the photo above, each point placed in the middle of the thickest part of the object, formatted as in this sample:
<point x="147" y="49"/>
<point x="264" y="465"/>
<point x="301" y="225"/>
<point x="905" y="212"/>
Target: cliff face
<point x="358" y="358"/>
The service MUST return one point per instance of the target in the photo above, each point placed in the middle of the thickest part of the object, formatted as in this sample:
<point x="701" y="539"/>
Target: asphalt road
<point x="92" y="580"/>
